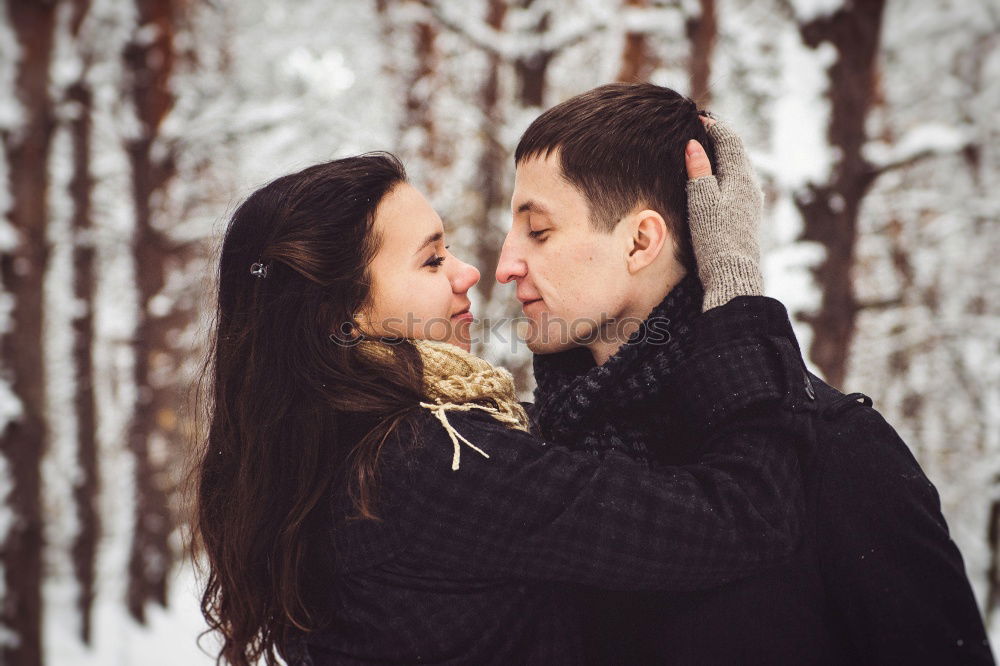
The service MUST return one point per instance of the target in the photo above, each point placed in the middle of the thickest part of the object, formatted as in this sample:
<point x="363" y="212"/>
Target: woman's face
<point x="419" y="289"/>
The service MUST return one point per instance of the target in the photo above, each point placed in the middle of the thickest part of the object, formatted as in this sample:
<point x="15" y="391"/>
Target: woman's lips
<point x="465" y="315"/>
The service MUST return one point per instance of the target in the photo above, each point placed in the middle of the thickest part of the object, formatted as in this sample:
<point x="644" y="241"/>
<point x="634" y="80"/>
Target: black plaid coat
<point x="479" y="565"/>
<point x="875" y="578"/>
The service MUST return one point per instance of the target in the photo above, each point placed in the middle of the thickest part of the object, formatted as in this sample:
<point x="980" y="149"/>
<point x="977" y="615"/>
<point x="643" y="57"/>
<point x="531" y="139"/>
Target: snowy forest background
<point x="131" y="128"/>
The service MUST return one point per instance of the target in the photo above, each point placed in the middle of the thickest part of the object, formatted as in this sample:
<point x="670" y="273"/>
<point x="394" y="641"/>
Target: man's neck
<point x="616" y="332"/>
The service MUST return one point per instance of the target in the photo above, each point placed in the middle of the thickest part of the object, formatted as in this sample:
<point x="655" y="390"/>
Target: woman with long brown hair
<point x="370" y="492"/>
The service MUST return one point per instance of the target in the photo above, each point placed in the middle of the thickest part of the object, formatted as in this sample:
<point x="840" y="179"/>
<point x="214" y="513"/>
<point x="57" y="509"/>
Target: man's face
<point x="572" y="280"/>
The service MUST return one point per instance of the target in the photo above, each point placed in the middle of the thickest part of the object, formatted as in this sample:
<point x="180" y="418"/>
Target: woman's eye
<point x="434" y="261"/>
<point x="536" y="235"/>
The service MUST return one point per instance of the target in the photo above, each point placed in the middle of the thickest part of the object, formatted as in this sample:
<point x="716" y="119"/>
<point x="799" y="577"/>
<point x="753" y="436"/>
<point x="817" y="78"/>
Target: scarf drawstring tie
<point x="455" y="380"/>
<point x="440" y="411"/>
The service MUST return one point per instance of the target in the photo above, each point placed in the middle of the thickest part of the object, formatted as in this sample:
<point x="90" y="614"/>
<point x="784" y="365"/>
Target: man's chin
<point x="543" y="335"/>
<point x="540" y="346"/>
<point x="547" y="335"/>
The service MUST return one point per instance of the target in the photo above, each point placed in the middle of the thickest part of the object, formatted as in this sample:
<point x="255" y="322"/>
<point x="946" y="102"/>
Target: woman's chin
<point x="459" y="335"/>
<point x="462" y="343"/>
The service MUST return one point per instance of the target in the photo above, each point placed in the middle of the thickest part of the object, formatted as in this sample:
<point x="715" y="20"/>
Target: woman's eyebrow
<point x="433" y="238"/>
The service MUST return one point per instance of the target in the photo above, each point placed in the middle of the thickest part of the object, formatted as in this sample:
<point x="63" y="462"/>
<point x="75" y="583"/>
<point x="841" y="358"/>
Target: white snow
<point x="169" y="638"/>
<point x="800" y="152"/>
<point x="10" y="54"/>
<point x="809" y="10"/>
<point x="313" y="80"/>
<point x="926" y="139"/>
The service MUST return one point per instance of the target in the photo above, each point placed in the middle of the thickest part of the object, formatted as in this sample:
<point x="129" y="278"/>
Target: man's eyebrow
<point x="532" y="207"/>
<point x="433" y="238"/>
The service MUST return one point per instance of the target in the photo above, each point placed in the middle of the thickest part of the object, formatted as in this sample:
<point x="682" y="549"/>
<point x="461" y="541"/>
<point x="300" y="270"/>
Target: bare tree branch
<point x="880" y="304"/>
<point x="511" y="47"/>
<point x="916" y="158"/>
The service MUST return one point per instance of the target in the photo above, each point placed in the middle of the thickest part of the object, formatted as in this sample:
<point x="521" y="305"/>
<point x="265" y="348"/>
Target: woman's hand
<point x="724" y="213"/>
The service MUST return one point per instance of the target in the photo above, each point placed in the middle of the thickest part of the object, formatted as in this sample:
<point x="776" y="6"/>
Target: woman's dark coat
<point x="481" y="565"/>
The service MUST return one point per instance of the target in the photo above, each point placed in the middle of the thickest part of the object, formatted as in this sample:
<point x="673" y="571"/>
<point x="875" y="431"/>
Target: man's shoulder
<point x="851" y="423"/>
<point x="859" y="457"/>
<point x="896" y="580"/>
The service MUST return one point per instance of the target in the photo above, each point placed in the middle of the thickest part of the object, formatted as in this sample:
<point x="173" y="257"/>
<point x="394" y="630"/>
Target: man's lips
<point x="530" y="301"/>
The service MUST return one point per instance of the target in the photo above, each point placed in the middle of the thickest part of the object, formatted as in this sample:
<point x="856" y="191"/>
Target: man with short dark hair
<point x="601" y="252"/>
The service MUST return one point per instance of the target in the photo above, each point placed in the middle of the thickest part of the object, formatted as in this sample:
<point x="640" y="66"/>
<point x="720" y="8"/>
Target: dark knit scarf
<point x="594" y="408"/>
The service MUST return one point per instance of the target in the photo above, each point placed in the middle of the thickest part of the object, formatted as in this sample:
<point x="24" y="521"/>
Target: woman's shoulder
<point x="452" y="438"/>
<point x="427" y="457"/>
<point x="431" y="424"/>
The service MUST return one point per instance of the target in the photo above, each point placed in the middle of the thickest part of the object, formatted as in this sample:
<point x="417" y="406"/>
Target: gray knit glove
<point x="724" y="214"/>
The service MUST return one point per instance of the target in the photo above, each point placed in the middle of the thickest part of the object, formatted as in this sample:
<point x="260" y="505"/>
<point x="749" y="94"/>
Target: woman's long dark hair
<point x="280" y="387"/>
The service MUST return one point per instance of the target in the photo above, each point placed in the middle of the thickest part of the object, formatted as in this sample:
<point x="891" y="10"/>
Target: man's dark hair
<point x="622" y="145"/>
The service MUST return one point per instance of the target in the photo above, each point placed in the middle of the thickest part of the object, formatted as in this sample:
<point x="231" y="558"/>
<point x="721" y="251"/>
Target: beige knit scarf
<point x="455" y="380"/>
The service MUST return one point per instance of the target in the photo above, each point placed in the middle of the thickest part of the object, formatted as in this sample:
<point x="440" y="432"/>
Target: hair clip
<point x="258" y="270"/>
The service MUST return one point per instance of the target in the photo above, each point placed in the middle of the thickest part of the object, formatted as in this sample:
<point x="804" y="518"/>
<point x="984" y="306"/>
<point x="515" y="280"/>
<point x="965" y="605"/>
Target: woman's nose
<point x="464" y="277"/>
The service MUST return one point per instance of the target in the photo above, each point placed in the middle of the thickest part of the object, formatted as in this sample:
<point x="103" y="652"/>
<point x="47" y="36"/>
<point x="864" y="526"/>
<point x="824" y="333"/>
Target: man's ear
<point x="649" y="238"/>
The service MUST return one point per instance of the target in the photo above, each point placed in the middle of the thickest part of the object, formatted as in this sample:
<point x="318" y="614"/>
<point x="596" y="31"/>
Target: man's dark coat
<point x="876" y="578"/>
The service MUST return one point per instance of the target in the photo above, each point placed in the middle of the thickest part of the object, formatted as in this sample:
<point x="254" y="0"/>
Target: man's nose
<point x="511" y="265"/>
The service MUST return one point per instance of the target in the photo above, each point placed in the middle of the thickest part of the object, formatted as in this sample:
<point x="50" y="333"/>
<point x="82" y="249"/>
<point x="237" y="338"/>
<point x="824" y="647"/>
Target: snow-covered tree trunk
<point x="702" y="30"/>
<point x="23" y="267"/>
<point x="85" y="492"/>
<point x="150" y="59"/>
<point x="638" y="59"/>
<point x="830" y="210"/>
